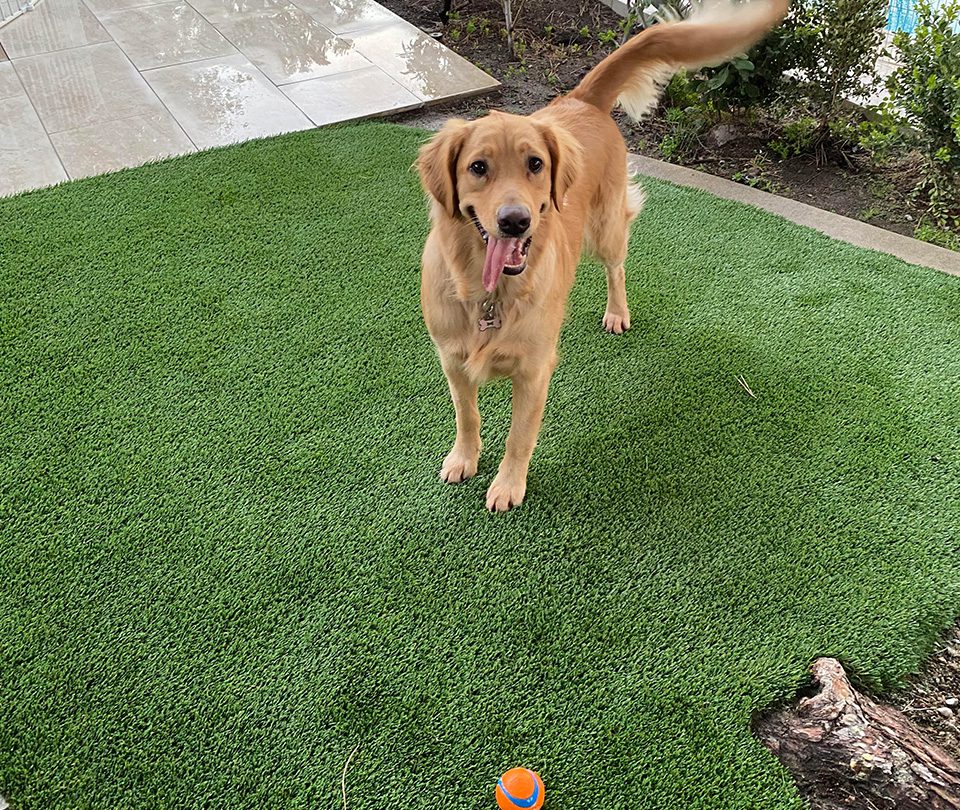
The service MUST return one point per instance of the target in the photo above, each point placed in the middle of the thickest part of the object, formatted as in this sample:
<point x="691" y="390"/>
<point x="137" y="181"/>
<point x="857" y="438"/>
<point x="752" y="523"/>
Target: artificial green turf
<point x="227" y="559"/>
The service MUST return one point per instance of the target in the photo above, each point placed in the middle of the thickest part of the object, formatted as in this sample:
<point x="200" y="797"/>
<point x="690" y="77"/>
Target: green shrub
<point x="844" y="38"/>
<point x="883" y="136"/>
<point x="829" y="48"/>
<point x="760" y="76"/>
<point x="937" y="236"/>
<point x="843" y="132"/>
<point x="608" y="37"/>
<point x="687" y="124"/>
<point x="680" y="92"/>
<point x="926" y="90"/>
<point x="799" y="80"/>
<point x="796" y="138"/>
<point x="877" y="138"/>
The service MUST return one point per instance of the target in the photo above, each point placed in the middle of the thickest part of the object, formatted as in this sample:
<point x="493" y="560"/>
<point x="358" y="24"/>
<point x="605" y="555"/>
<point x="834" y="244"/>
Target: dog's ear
<point x="437" y="164"/>
<point x="565" y="158"/>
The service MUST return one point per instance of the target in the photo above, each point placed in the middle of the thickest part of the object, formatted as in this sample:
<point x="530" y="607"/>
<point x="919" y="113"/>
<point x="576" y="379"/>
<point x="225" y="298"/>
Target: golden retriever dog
<point x="514" y="202"/>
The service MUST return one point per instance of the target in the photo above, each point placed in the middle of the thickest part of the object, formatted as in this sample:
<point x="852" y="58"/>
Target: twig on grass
<point x="745" y="386"/>
<point x="343" y="778"/>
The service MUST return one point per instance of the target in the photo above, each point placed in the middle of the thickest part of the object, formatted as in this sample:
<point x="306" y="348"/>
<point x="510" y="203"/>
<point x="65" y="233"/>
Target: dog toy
<point x="519" y="788"/>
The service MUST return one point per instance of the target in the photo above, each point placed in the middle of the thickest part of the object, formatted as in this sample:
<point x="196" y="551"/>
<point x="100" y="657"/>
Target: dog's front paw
<point x="458" y="466"/>
<point x="505" y="492"/>
<point x="616" y="323"/>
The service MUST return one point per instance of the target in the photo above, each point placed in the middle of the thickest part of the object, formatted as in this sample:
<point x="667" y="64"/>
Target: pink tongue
<point x="500" y="253"/>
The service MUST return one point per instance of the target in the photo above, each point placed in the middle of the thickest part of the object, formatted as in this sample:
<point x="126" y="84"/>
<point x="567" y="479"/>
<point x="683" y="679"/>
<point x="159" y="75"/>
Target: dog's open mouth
<point x="508" y="255"/>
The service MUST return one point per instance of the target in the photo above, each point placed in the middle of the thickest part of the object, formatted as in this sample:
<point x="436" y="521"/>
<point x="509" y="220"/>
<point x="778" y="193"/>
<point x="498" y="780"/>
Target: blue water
<point x="901" y="16"/>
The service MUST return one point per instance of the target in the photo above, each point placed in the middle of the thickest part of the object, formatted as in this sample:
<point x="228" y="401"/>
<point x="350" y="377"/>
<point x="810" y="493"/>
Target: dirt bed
<point x="932" y="700"/>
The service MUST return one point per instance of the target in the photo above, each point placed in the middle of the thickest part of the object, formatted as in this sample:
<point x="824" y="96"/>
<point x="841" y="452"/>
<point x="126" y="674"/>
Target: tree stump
<point x="846" y="751"/>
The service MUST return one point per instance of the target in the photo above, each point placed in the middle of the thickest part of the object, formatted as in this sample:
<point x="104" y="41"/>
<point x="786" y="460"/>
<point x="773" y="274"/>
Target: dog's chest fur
<point x="486" y="353"/>
<point x="529" y="308"/>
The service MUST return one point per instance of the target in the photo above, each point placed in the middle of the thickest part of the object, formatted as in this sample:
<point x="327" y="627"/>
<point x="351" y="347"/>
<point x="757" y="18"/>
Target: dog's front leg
<point x="529" y="398"/>
<point x="461" y="462"/>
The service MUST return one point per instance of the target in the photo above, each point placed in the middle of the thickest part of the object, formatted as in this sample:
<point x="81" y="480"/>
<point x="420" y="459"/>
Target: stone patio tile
<point x="52" y="26"/>
<point x="225" y="100"/>
<point x="9" y="83"/>
<point x="99" y="7"/>
<point x="342" y="16"/>
<point x="27" y="158"/>
<point x="420" y="63"/>
<point x="347" y="96"/>
<point x="83" y="86"/>
<point x="165" y="34"/>
<point x="106" y="147"/>
<point x="287" y="44"/>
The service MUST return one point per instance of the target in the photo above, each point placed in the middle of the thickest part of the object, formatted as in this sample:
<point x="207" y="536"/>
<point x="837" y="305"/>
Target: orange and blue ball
<point x="520" y="789"/>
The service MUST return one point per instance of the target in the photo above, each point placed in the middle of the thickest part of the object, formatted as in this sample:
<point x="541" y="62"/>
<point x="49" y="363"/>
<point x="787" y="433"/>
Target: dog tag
<point x="489" y="318"/>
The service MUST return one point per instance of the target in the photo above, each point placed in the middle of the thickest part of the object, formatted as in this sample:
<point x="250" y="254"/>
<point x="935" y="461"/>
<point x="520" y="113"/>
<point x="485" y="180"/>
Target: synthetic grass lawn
<point x="227" y="559"/>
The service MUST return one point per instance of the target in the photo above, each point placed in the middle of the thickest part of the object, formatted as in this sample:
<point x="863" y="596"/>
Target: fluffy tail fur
<point x="635" y="73"/>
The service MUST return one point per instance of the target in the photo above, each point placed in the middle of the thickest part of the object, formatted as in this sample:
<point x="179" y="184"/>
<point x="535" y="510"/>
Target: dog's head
<point x="504" y="173"/>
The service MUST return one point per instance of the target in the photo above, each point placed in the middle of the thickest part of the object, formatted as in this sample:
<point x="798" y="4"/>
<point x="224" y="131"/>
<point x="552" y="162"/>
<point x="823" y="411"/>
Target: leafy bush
<point x="687" y="124"/>
<point x="883" y="136"/>
<point x="739" y="83"/>
<point x="796" y="138"/>
<point x="680" y="92"/>
<point x="844" y="38"/>
<point x="926" y="90"/>
<point x="761" y="75"/>
<point x="823" y="53"/>
<point x="937" y="236"/>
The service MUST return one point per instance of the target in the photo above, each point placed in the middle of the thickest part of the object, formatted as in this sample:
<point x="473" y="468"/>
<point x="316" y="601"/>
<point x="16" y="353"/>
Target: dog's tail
<point x="636" y="72"/>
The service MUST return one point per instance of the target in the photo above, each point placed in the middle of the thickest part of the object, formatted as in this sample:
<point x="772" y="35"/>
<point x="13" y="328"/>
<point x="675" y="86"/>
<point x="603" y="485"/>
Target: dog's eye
<point x="535" y="164"/>
<point x="479" y="167"/>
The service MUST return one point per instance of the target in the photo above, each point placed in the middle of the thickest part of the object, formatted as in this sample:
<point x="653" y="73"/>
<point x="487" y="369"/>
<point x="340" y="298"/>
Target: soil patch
<point x="932" y="699"/>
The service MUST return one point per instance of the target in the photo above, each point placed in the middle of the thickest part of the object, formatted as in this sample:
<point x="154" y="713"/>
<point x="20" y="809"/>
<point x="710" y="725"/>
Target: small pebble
<point x="954" y="652"/>
<point x="945" y="713"/>
<point x="951" y="702"/>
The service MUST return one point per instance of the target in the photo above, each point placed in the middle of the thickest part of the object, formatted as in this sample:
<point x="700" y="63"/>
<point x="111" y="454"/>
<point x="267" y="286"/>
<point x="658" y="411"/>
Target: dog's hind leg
<point x="609" y="235"/>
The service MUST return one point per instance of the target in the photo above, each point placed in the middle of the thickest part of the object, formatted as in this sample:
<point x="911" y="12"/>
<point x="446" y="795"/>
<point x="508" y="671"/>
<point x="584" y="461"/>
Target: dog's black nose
<point x="513" y="219"/>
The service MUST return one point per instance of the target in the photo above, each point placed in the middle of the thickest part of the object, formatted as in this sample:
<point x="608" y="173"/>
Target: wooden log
<point x="846" y="751"/>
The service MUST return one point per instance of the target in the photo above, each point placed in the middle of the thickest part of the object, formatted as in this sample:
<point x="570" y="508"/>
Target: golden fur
<point x="581" y="199"/>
